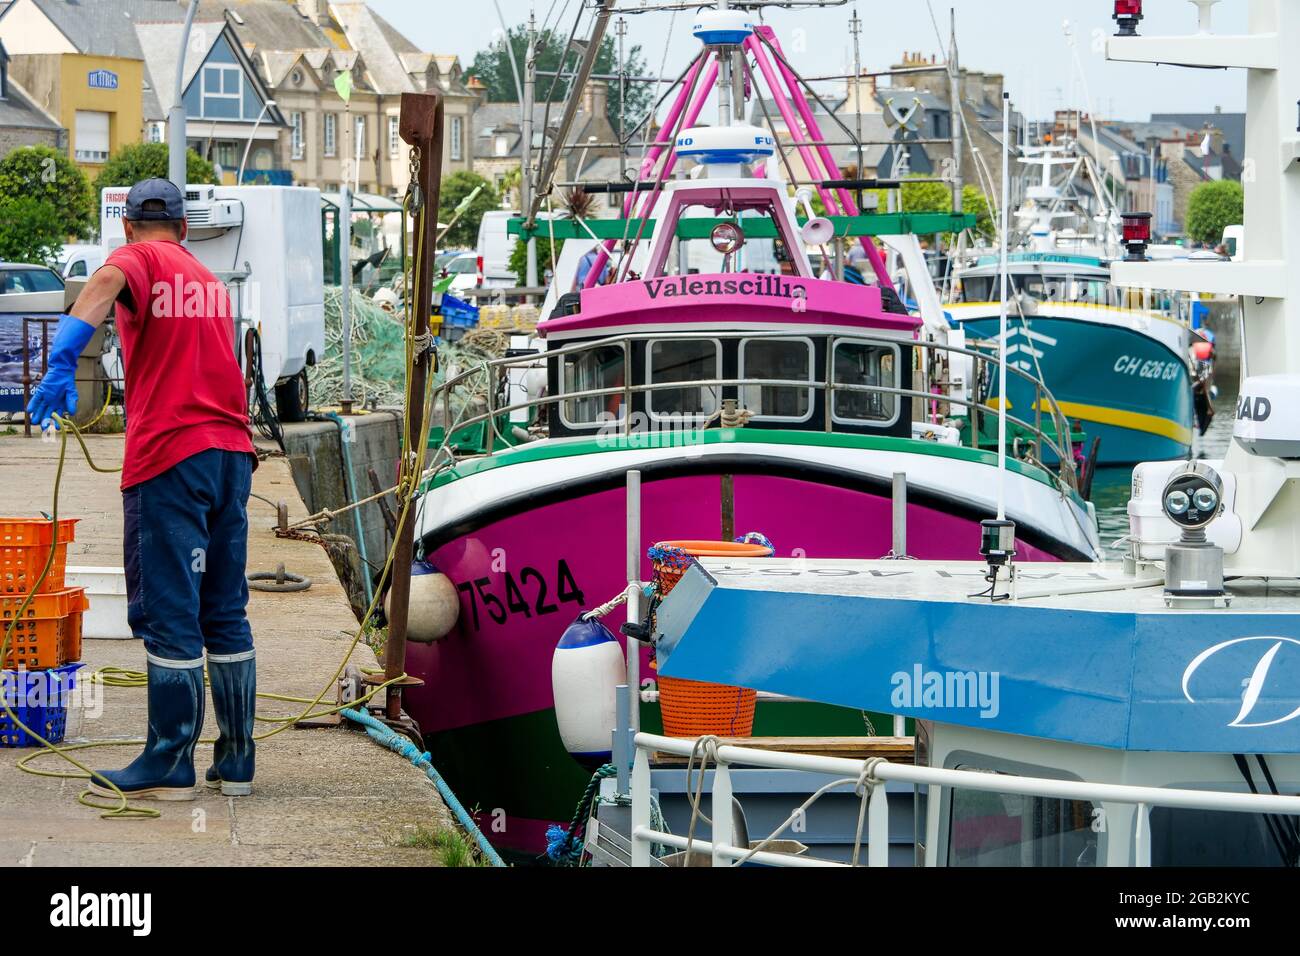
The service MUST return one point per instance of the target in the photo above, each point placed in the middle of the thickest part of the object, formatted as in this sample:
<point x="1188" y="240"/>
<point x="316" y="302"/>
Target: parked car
<point x="16" y="277"/>
<point x="464" y="272"/>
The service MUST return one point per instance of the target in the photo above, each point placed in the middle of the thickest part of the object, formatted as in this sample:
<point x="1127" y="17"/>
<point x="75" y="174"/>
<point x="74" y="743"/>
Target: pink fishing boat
<point x="752" y="396"/>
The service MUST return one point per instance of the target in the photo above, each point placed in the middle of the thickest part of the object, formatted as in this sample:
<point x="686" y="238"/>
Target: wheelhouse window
<point x="977" y="289"/>
<point x="1002" y="829"/>
<point x="865" y="366"/>
<point x="777" y="359"/>
<point x="683" y="360"/>
<point x="1193" y="837"/>
<point x="588" y="370"/>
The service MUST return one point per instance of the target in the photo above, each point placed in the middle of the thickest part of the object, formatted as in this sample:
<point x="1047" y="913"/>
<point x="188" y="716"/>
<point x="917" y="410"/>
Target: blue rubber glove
<point x="57" y="392"/>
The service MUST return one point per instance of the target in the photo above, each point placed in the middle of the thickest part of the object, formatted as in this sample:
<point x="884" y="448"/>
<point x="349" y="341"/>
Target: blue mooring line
<point x="383" y="734"/>
<point x="352" y="499"/>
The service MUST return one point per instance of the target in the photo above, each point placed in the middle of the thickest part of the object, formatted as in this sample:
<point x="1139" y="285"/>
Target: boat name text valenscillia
<point x="765" y="286"/>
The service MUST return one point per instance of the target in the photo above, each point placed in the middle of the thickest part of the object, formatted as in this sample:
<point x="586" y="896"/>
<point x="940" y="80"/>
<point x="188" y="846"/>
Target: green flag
<point x="442" y="285"/>
<point x="464" y="203"/>
<point x="343" y="85"/>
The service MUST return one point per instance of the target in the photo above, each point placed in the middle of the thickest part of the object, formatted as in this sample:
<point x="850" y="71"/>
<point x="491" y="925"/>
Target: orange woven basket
<point x="24" y="549"/>
<point x="692" y="708"/>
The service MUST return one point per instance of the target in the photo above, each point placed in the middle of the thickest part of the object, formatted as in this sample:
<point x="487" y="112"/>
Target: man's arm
<point x="57" y="393"/>
<point x="97" y="298"/>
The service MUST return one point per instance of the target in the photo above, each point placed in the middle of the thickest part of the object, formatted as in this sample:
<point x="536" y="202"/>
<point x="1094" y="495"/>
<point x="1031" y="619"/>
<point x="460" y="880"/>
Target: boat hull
<point x="1121" y="385"/>
<point x="524" y="573"/>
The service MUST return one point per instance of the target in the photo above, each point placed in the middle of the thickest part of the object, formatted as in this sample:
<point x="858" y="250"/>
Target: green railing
<point x="875" y="224"/>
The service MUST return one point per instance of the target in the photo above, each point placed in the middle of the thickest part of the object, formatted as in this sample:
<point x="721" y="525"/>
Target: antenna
<point x="1002" y="316"/>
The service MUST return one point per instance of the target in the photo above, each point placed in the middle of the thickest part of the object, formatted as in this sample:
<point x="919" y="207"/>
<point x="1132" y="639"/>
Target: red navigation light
<point x="1137" y="235"/>
<point x="1127" y="14"/>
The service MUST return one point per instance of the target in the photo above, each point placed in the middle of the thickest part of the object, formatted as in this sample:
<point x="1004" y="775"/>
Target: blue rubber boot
<point x="234" y="699"/>
<point x="165" y="771"/>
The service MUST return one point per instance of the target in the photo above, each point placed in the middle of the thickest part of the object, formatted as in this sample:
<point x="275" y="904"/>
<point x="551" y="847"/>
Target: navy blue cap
<point x="155" y="199"/>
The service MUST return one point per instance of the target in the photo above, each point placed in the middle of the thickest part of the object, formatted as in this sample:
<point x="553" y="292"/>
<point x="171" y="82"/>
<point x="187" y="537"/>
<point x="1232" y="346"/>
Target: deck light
<point x="727" y="238"/>
<point x="1127" y="14"/>
<point x="1137" y="235"/>
<point x="1192" y="499"/>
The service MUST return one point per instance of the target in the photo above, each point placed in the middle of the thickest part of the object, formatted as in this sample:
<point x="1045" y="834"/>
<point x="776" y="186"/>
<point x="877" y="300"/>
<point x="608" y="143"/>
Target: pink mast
<point x="819" y="163"/>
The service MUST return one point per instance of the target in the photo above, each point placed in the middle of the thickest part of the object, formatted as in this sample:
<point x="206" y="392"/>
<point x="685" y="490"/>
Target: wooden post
<point x="420" y="126"/>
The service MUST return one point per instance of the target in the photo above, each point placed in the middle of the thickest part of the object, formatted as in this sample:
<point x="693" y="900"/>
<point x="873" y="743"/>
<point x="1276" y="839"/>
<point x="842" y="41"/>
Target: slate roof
<point x="19" y="110"/>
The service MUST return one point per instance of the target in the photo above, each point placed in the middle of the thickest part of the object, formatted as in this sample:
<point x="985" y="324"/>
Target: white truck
<point x="264" y="243"/>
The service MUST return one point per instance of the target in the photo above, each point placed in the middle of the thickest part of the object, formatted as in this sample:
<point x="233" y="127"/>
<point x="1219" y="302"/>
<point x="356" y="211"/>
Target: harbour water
<point x="1110" y="491"/>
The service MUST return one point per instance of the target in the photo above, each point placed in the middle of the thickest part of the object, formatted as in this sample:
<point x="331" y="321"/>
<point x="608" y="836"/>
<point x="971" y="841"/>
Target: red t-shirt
<point x="184" y="390"/>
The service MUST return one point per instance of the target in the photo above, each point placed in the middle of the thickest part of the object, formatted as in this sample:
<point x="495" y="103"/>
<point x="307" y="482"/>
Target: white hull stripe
<point x="1029" y="501"/>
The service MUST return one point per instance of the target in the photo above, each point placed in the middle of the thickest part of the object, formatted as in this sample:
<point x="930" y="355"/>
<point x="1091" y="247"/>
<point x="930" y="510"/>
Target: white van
<point x="495" y="245"/>
<point x="1234" y="240"/>
<point x="80" y="260"/>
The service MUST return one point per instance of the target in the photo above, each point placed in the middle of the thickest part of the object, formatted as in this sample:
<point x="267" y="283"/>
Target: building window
<point x="394" y="140"/>
<point x="502" y="148"/>
<point x="91" y="132"/>
<point x="295" y="136"/>
<point x="227" y="153"/>
<point x="157" y="132"/>
<point x="331" y="133"/>
<point x="359" y="144"/>
<point x="457" y="136"/>
<point x="222" y="91"/>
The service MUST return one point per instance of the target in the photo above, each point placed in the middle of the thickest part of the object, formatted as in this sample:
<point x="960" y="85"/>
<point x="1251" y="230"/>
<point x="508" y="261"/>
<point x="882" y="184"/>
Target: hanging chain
<point x="413" y="190"/>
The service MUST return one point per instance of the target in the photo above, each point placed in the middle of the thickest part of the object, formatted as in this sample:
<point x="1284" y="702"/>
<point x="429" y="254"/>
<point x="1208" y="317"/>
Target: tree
<point x="519" y="257"/>
<point x="492" y="68"/>
<point x="48" y="175"/>
<point x="937" y="197"/>
<point x="974" y="201"/>
<point x="464" y="233"/>
<point x="31" y="230"/>
<point x="138" y="161"/>
<point x="1213" y="206"/>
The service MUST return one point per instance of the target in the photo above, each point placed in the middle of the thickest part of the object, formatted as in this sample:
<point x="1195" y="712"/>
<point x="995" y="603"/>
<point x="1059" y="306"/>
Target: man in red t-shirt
<point x="186" y="478"/>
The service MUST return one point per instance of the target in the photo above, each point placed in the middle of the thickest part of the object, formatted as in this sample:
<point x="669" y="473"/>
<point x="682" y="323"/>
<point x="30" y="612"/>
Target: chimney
<point x="1216" y="139"/>
<point x="595" y="98"/>
<point x="993" y="85"/>
<point x="317" y="11"/>
<point x="860" y="97"/>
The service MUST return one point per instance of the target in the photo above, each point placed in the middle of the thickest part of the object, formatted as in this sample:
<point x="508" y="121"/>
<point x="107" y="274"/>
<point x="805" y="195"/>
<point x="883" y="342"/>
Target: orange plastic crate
<point x="70" y="651"/>
<point x="24" y="549"/>
<point x="44" y="633"/>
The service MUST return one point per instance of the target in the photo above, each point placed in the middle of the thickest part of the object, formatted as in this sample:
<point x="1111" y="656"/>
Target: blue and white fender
<point x="586" y="669"/>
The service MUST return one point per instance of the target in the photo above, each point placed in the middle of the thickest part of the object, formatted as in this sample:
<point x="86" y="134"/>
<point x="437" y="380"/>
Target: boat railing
<point x="488" y="377"/>
<point x="868" y="778"/>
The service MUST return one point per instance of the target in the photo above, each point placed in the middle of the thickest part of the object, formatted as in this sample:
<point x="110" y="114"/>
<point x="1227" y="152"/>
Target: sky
<point x="1023" y="39"/>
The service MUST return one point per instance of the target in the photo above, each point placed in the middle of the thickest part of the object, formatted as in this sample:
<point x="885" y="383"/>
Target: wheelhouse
<point x="758" y="338"/>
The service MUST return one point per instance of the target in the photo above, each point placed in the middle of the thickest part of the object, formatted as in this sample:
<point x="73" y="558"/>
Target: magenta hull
<point x="524" y="578"/>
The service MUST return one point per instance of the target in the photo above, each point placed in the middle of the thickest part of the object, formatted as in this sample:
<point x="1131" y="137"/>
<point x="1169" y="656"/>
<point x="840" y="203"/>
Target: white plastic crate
<point x="106" y="591"/>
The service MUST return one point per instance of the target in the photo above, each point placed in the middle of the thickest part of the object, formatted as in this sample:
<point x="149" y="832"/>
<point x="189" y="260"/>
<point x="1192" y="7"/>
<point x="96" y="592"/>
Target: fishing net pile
<point x="379" y="356"/>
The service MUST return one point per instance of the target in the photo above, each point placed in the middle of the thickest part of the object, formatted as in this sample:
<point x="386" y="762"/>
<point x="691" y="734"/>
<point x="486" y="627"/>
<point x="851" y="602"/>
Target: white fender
<point x="586" y="669"/>
<point x="434" y="604"/>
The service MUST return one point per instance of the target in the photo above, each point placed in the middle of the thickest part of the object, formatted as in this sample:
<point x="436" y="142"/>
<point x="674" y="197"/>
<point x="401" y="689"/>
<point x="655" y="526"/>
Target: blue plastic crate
<point x="456" y="312"/>
<point x="40" y="700"/>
